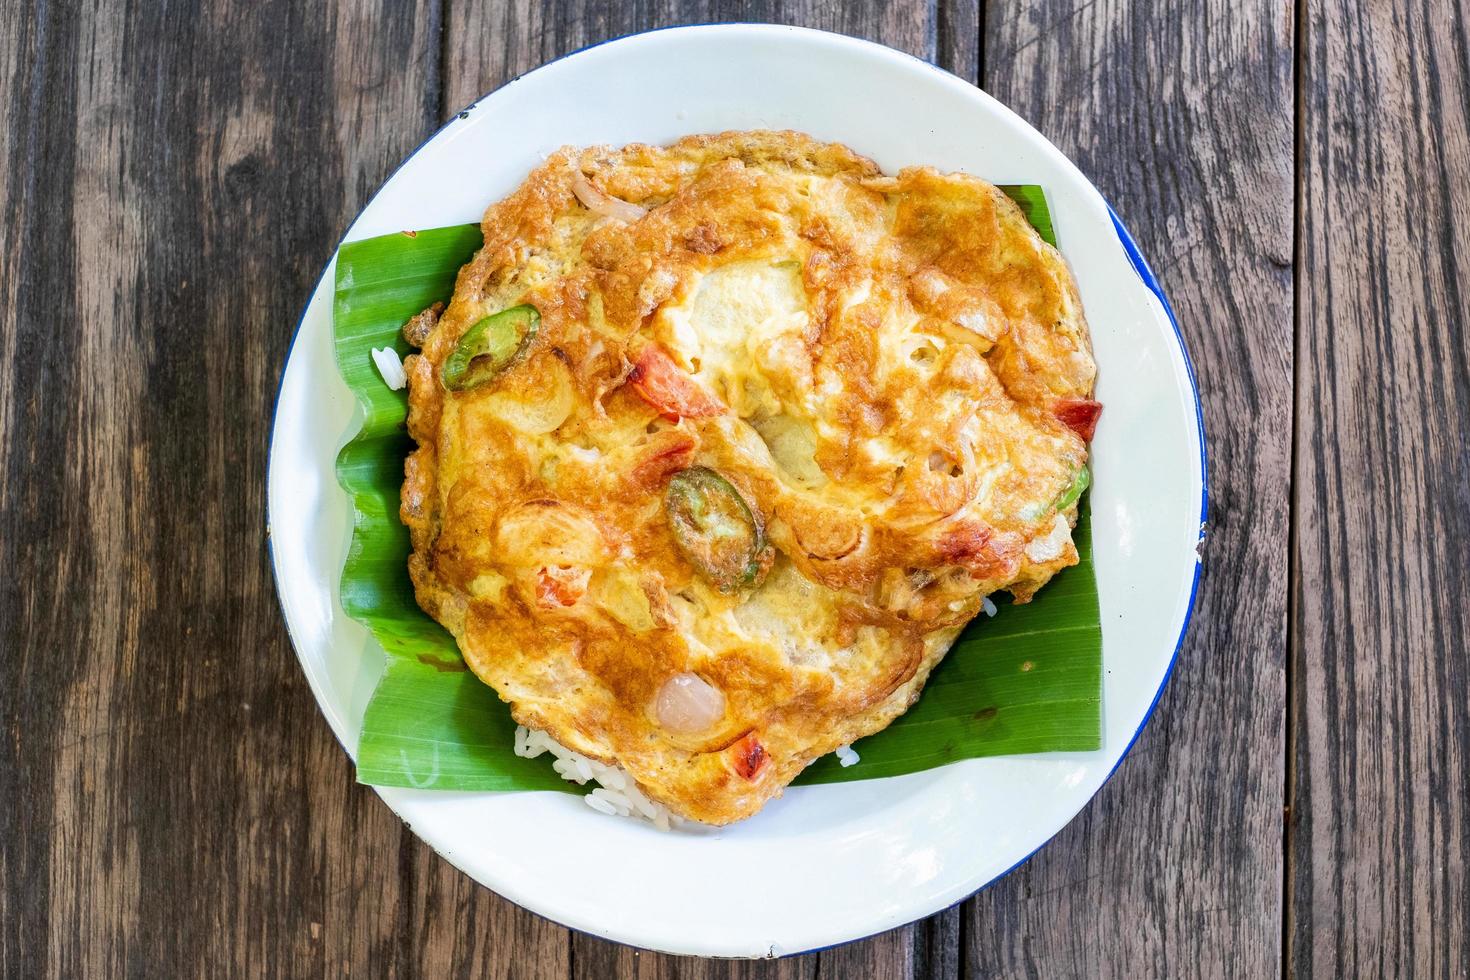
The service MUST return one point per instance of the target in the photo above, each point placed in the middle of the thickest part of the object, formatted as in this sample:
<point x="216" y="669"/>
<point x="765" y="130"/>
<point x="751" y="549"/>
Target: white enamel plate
<point x="825" y="864"/>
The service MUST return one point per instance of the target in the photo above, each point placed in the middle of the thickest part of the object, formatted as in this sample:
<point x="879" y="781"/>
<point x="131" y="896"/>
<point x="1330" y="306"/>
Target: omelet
<point x="720" y="445"/>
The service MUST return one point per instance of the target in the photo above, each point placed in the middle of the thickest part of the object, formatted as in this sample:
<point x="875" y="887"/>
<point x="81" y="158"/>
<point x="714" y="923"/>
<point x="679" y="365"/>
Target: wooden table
<point x="176" y="175"/>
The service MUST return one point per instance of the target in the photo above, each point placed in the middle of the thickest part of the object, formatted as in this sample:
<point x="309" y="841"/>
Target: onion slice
<point x="688" y="704"/>
<point x="599" y="203"/>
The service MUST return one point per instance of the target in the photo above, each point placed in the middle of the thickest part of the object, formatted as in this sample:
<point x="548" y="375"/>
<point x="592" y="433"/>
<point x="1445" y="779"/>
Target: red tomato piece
<point x="561" y="586"/>
<point x="980" y="548"/>
<point x="670" y="452"/>
<point x="1079" y="415"/>
<point x="661" y="383"/>
<point x="749" y="756"/>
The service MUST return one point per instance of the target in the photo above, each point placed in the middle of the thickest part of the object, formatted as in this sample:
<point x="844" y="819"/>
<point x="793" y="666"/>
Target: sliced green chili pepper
<point x="489" y="347"/>
<point x="1080" y="482"/>
<point x="714" y="528"/>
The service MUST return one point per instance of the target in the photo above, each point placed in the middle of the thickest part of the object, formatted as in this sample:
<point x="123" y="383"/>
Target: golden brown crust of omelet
<point x="886" y="410"/>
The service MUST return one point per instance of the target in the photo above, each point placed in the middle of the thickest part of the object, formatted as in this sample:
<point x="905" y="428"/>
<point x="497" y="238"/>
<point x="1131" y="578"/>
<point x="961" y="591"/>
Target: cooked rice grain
<point x="615" y="794"/>
<point x="390" y="366"/>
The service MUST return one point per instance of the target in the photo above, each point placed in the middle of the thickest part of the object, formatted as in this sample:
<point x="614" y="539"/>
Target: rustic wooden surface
<point x="172" y="804"/>
<point x="1379" y="845"/>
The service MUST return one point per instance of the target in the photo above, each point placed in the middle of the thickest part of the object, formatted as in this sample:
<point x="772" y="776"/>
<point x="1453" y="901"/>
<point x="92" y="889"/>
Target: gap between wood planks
<point x="1288" y="742"/>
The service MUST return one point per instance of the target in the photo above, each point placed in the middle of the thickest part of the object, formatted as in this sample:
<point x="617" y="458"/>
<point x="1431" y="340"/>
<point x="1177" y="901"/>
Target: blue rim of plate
<point x="1135" y="257"/>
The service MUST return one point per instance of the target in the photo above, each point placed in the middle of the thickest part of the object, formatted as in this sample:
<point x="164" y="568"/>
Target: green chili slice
<point x="489" y="347"/>
<point x="1080" y="482"/>
<point x="714" y="528"/>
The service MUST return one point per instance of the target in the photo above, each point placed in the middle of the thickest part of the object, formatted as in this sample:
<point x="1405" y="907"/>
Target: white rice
<point x="615" y="794"/>
<point x="989" y="606"/>
<point x="390" y="366"/>
<point x="599" y="804"/>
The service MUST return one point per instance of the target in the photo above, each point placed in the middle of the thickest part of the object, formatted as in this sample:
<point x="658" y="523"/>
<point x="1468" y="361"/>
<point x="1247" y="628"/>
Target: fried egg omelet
<point x="721" y="444"/>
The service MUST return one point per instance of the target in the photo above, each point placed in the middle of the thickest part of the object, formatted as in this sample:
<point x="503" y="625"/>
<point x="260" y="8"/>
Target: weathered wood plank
<point x="1182" y="115"/>
<point x="173" y="804"/>
<point x="36" y="55"/>
<point x="594" y="959"/>
<point x="488" y="44"/>
<point x="1381" y="842"/>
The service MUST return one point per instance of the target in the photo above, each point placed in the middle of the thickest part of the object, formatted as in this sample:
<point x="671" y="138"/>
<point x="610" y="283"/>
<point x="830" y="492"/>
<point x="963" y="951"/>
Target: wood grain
<point x="172" y="802"/>
<point x="174" y="178"/>
<point x="489" y="44"/>
<point x="1182" y="116"/>
<point x="1381" y="838"/>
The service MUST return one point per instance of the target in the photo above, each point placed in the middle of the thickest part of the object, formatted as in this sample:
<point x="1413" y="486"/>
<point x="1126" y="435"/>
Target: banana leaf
<point x="1027" y="680"/>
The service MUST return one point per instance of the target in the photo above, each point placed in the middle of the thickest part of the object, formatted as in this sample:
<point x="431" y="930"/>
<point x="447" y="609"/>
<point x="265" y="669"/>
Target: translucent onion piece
<point x="688" y="704"/>
<point x="599" y="203"/>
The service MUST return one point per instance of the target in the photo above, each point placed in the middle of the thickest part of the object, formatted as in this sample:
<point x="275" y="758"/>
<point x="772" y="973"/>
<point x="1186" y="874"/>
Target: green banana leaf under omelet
<point x="1027" y="680"/>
